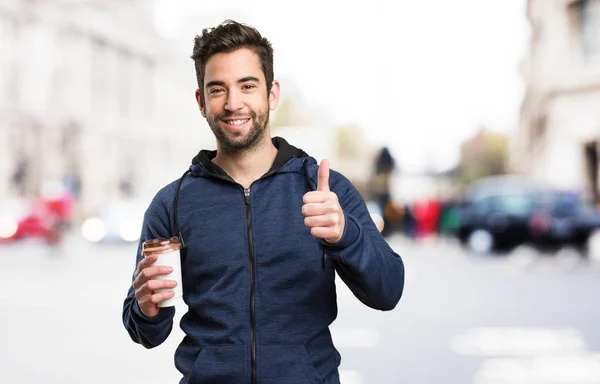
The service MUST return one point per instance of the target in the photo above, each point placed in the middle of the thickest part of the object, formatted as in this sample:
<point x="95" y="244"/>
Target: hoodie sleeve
<point x="149" y="331"/>
<point x="363" y="259"/>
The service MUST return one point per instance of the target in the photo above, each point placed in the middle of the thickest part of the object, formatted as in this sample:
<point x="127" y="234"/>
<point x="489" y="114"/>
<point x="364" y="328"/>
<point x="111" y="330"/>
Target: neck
<point x="245" y="167"/>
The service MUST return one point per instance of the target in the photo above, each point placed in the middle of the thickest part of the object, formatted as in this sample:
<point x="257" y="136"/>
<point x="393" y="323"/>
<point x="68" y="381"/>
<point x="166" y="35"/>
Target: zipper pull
<point x="181" y="240"/>
<point x="247" y="195"/>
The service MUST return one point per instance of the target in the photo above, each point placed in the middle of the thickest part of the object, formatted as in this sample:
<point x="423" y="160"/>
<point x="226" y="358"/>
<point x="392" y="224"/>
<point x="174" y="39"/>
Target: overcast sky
<point x="419" y="76"/>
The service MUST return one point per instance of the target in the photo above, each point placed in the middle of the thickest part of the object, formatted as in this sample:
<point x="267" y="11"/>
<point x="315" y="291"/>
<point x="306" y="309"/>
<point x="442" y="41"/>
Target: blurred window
<point x="483" y="205"/>
<point x="590" y="27"/>
<point x="124" y="83"/>
<point x="8" y="65"/>
<point x="561" y="203"/>
<point x="515" y="204"/>
<point x="99" y="75"/>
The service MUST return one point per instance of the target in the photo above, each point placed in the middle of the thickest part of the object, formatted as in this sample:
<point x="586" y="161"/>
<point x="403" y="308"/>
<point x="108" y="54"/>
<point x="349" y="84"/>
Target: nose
<point x="234" y="101"/>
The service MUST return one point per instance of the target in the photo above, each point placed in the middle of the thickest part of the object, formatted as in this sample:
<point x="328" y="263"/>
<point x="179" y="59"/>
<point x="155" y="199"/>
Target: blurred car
<point x="562" y="218"/>
<point x="493" y="218"/>
<point x="118" y="221"/>
<point x="60" y="200"/>
<point x="26" y="218"/>
<point x="506" y="211"/>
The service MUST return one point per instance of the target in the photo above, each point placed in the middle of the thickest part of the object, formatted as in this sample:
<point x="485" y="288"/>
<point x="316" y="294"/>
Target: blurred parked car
<point x="27" y="218"/>
<point x="506" y="211"/>
<point x="118" y="221"/>
<point x="496" y="216"/>
<point x="561" y="217"/>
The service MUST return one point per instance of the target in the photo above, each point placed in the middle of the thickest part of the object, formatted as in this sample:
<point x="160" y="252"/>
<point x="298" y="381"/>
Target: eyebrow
<point x="219" y="83"/>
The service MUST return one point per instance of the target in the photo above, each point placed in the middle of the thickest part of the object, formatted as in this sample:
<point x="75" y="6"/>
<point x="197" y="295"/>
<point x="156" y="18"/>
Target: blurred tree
<point x="288" y="114"/>
<point x="350" y="142"/>
<point x="485" y="154"/>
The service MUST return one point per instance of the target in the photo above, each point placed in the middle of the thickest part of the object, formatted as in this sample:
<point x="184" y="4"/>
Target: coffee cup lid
<point x="160" y="245"/>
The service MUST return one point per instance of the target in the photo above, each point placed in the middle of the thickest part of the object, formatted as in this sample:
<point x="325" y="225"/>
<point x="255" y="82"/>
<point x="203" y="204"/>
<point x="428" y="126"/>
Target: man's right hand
<point x="145" y="285"/>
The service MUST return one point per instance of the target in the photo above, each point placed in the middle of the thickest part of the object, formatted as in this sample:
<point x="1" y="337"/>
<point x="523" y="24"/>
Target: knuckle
<point x="144" y="288"/>
<point x="150" y="285"/>
<point x="146" y="273"/>
<point x="158" y="297"/>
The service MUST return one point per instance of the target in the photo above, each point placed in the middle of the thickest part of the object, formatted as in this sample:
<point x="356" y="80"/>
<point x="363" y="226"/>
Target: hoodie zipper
<point x="252" y="289"/>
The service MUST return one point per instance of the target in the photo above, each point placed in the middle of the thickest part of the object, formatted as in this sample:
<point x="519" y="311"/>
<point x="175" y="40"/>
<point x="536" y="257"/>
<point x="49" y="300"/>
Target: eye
<point x="249" y="86"/>
<point x="215" y="91"/>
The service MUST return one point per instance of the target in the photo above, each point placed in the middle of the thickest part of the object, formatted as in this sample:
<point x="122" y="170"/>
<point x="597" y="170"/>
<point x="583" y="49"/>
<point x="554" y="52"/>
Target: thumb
<point x="323" y="182"/>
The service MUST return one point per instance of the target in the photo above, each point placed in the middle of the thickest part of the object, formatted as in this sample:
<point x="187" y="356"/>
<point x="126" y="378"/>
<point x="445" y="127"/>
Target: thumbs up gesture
<point x="322" y="211"/>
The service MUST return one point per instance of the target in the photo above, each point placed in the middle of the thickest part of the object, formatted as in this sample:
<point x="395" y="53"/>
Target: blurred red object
<point x="46" y="216"/>
<point x="427" y="214"/>
<point x="23" y="218"/>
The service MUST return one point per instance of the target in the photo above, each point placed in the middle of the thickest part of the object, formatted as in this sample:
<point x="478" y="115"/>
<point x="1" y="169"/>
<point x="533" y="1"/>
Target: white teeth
<point x="237" y="122"/>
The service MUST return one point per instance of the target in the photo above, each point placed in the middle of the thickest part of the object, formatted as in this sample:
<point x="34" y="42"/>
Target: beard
<point x="239" y="142"/>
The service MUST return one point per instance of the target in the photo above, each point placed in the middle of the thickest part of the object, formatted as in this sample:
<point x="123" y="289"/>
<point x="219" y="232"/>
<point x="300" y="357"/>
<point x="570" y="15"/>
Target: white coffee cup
<point x="168" y="254"/>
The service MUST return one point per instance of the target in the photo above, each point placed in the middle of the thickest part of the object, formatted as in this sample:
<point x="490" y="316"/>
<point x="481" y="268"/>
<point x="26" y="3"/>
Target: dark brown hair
<point x="227" y="37"/>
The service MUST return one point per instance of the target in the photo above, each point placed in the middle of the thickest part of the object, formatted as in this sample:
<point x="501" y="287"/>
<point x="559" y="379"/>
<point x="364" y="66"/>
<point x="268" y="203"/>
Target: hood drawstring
<point x="312" y="187"/>
<point x="175" y="216"/>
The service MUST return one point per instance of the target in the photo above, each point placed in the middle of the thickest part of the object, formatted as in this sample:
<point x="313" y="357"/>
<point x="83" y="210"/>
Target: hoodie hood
<point x="202" y="163"/>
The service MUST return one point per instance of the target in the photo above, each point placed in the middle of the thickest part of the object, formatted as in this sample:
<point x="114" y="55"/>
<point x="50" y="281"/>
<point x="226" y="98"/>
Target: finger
<point x="321" y="221"/>
<point x="323" y="182"/>
<point x="153" y="285"/>
<point x="317" y="209"/>
<point x="318" y="197"/>
<point x="146" y="262"/>
<point x="150" y="272"/>
<point x="325" y="232"/>
<point x="158" y="297"/>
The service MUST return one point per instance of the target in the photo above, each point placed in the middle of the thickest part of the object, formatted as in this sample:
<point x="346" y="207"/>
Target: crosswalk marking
<point x="517" y="341"/>
<point x="529" y="355"/>
<point x="576" y="369"/>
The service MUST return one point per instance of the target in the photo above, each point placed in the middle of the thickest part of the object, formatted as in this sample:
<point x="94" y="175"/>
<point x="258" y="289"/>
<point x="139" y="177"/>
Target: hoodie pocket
<point x="219" y="364"/>
<point x="289" y="364"/>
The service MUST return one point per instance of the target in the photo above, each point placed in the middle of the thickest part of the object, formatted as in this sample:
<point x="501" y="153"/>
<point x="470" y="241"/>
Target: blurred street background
<point x="470" y="127"/>
<point x="522" y="318"/>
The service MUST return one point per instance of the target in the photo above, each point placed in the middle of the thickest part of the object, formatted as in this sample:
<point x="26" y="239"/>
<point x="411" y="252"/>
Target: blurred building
<point x="88" y="96"/>
<point x="483" y="154"/>
<point x="559" y="134"/>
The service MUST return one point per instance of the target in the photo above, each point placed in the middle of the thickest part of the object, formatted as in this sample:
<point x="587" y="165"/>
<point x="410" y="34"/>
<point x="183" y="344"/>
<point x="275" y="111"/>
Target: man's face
<point x="236" y="104"/>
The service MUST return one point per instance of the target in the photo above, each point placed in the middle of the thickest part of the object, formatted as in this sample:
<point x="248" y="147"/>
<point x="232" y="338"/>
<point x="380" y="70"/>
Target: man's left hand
<point x="322" y="211"/>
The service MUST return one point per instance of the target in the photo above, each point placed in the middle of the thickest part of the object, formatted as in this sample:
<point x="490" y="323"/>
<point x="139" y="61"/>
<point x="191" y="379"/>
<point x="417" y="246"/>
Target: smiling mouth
<point x="237" y="122"/>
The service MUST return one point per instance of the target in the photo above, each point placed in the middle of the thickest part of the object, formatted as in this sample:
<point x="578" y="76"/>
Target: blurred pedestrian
<point x="265" y="230"/>
<point x="19" y="176"/>
<point x="381" y="187"/>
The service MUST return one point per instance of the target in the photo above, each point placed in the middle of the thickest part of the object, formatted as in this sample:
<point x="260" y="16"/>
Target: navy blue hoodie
<point x="259" y="287"/>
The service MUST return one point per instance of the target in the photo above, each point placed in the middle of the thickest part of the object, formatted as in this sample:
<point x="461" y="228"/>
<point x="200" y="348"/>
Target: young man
<point x="265" y="230"/>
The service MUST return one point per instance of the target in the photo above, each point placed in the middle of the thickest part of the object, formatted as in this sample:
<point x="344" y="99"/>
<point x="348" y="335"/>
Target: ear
<point x="201" y="104"/>
<point x="274" y="95"/>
